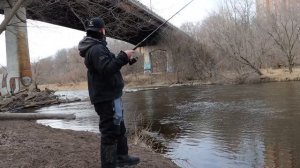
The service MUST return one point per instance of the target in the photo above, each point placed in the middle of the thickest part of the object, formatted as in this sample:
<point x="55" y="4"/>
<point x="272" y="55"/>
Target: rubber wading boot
<point x="127" y="160"/>
<point x="108" y="156"/>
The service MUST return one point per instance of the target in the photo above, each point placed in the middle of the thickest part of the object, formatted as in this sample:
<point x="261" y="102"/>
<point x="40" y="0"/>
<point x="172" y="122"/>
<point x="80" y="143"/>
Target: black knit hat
<point x="95" y="24"/>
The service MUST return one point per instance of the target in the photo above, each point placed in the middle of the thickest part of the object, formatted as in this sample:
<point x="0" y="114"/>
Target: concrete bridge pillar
<point x="148" y="67"/>
<point x="146" y="51"/>
<point x="17" y="53"/>
<point x="170" y="62"/>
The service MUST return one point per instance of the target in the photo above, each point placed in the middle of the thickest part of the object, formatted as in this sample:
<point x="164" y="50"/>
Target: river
<point x="210" y="126"/>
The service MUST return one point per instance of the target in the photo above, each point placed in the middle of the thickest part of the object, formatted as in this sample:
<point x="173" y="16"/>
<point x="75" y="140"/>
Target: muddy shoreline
<point x="27" y="144"/>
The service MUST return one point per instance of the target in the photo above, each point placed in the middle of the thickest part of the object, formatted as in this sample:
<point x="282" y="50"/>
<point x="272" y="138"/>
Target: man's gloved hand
<point x="132" y="59"/>
<point x="129" y="53"/>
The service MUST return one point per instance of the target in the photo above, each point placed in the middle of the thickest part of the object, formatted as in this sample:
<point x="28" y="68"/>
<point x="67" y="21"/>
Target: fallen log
<point x="36" y="116"/>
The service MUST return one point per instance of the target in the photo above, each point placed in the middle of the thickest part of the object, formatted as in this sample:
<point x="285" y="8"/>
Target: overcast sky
<point x="46" y="39"/>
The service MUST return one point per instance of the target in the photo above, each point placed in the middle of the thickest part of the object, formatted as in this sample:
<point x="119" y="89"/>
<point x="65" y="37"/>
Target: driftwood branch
<point x="31" y="99"/>
<point x="8" y="17"/>
<point x="35" y="116"/>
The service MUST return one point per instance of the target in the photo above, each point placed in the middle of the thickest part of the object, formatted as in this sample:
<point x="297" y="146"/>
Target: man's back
<point x="105" y="81"/>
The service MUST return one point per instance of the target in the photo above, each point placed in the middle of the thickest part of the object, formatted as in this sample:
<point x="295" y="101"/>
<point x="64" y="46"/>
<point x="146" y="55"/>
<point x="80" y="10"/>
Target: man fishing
<point x="105" y="85"/>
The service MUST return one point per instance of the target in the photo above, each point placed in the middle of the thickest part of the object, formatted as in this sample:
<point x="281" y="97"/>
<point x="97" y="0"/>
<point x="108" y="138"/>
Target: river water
<point x="236" y="126"/>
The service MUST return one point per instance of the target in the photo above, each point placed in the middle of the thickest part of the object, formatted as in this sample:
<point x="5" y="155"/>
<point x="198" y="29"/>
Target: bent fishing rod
<point x="134" y="60"/>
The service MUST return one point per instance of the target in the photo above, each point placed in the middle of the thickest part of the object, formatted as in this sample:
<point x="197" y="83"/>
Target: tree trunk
<point x="252" y="66"/>
<point x="35" y="116"/>
<point x="177" y="76"/>
<point x="290" y="68"/>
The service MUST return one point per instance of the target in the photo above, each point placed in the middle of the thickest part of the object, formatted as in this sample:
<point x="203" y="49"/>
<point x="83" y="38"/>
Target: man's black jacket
<point x="105" y="81"/>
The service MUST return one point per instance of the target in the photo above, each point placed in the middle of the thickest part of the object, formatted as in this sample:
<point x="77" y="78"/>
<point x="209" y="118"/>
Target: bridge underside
<point x="125" y="20"/>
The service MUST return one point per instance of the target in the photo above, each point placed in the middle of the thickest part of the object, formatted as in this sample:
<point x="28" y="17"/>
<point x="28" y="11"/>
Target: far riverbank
<point x="145" y="81"/>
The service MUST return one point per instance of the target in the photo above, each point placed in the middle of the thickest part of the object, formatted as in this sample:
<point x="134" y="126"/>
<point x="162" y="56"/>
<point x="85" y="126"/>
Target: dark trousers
<point x="111" y="133"/>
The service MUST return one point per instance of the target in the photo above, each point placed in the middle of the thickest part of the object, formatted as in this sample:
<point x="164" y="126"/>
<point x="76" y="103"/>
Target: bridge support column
<point x="147" y="59"/>
<point x="170" y="62"/>
<point x="17" y="52"/>
<point x="148" y="67"/>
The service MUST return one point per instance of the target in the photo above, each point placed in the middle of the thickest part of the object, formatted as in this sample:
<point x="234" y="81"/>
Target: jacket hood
<point x="87" y="42"/>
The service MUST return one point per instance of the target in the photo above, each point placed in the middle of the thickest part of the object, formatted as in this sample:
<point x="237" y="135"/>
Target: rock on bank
<point x="29" y="145"/>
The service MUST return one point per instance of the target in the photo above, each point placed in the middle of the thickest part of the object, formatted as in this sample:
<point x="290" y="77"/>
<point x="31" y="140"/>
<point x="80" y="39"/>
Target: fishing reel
<point x="133" y="60"/>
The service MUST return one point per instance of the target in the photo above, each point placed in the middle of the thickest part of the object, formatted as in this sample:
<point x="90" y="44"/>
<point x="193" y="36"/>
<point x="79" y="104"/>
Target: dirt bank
<point x="29" y="145"/>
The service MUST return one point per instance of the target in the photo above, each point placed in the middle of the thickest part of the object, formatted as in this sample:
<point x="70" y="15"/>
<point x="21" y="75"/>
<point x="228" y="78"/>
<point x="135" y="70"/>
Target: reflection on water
<point x="212" y="126"/>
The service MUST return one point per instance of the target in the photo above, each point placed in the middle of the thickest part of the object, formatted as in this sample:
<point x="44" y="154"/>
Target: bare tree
<point x="65" y="67"/>
<point x="190" y="59"/>
<point x="170" y="40"/>
<point x="36" y="73"/>
<point x="284" y="28"/>
<point x="233" y="33"/>
<point x="77" y="70"/>
<point x="201" y="58"/>
<point x="42" y="70"/>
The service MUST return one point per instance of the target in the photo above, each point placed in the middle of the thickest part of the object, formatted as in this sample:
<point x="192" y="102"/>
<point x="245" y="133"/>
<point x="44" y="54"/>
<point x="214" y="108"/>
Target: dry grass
<point x="282" y="74"/>
<point x="67" y="86"/>
<point x="140" y="133"/>
<point x="132" y="81"/>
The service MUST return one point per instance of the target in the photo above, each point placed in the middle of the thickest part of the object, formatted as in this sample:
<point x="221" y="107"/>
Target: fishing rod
<point x="134" y="60"/>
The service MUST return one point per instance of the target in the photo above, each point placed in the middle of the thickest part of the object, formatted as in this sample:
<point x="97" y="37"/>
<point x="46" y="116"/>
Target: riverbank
<point x="27" y="144"/>
<point x="84" y="86"/>
<point x="142" y="82"/>
<point x="282" y="74"/>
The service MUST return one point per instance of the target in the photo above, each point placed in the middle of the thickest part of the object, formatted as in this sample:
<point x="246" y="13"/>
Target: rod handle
<point x="133" y="60"/>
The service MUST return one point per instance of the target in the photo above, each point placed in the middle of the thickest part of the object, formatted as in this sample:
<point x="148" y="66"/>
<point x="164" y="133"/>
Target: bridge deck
<point x="127" y="20"/>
